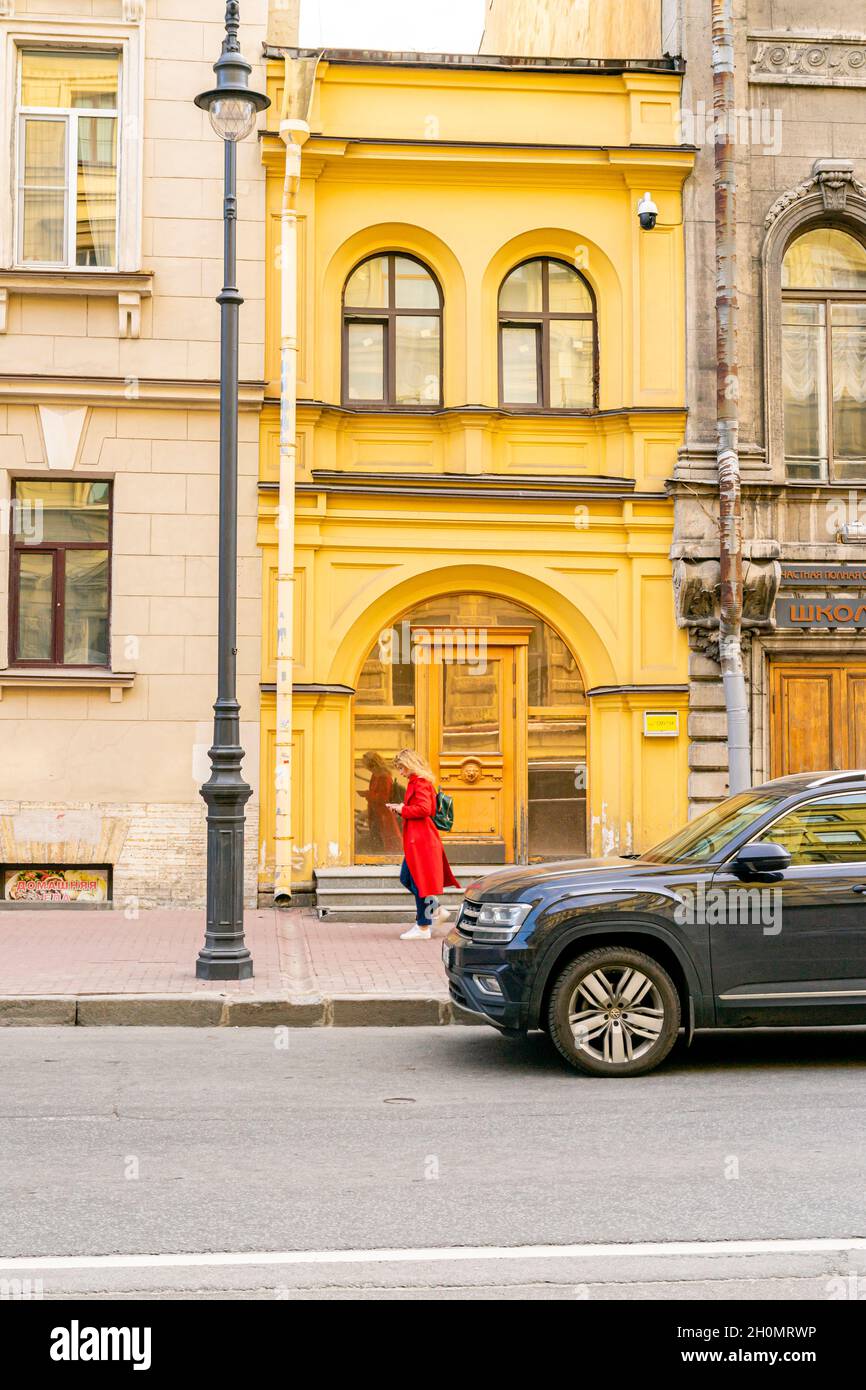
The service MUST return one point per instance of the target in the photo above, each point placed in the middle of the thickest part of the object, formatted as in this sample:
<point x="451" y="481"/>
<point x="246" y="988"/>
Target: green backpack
<point x="443" y="817"/>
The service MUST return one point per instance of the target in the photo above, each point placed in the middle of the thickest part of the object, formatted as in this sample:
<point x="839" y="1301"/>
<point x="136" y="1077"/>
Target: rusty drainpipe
<point x="727" y="403"/>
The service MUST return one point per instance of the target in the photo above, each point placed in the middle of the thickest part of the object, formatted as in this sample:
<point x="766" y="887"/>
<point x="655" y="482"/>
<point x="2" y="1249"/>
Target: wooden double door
<point x="472" y="728"/>
<point x="817" y="716"/>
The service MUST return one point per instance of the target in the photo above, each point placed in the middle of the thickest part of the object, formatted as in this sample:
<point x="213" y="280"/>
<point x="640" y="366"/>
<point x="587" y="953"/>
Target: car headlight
<point x="497" y="922"/>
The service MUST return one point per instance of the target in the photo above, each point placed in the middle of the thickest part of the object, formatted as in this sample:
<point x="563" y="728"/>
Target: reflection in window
<point x="547" y="338"/>
<point x="824" y="832"/>
<point x="824" y="356"/>
<point x="67" y="158"/>
<point x="471" y="708"/>
<point x="385" y="717"/>
<point x="392" y="334"/>
<point x="60" y="573"/>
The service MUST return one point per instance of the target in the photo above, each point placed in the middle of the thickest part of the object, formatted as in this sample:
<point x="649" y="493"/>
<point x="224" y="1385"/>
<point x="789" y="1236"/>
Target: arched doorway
<point x="495" y="700"/>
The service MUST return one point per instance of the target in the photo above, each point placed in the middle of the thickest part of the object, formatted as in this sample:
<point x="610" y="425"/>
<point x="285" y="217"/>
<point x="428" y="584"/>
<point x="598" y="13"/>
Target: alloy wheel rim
<point x="616" y="1015"/>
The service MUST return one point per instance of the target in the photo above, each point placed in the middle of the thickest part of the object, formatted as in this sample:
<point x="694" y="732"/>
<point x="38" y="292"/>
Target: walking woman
<point x="425" y="871"/>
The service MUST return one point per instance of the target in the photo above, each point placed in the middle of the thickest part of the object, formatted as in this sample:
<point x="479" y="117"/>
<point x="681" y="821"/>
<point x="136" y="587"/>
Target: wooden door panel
<point x="472" y="745"/>
<point x="476" y="811"/>
<point x="819" y="717"/>
<point x="806" y="723"/>
<point x="855" y="698"/>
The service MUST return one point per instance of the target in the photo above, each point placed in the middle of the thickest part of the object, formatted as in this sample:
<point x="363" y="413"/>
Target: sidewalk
<point x="98" y="968"/>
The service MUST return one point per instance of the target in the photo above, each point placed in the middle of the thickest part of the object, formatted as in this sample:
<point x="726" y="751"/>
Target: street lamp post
<point x="232" y="108"/>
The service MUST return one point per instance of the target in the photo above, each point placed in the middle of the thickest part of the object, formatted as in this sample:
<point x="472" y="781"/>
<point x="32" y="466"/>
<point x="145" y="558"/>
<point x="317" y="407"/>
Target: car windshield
<point x="705" y="837"/>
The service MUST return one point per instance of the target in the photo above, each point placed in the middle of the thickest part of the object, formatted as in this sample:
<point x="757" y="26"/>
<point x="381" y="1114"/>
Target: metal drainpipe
<point x="727" y="404"/>
<point x="293" y="132"/>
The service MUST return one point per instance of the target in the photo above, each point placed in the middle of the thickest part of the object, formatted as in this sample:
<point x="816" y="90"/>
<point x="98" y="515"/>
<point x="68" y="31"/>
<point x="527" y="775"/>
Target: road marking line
<point x="456" y="1254"/>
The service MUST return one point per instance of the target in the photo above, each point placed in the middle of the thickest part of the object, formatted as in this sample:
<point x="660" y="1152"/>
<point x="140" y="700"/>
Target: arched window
<point x="548" y="358"/>
<point x="392" y="335"/>
<point x="824" y="356"/>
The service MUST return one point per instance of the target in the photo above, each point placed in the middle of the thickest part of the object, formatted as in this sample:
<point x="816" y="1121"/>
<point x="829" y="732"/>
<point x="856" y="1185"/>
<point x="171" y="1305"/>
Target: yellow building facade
<point x="489" y="401"/>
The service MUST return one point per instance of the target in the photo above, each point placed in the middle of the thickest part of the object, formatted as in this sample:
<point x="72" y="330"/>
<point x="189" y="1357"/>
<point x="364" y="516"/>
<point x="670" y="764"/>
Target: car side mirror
<point x="760" y="858"/>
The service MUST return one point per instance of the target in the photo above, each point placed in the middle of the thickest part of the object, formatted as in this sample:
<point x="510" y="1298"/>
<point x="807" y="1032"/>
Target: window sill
<point x="63" y="678"/>
<point x="128" y="288"/>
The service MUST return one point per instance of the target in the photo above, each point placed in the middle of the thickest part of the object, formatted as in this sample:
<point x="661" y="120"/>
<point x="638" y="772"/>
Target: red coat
<point x="421" y="844"/>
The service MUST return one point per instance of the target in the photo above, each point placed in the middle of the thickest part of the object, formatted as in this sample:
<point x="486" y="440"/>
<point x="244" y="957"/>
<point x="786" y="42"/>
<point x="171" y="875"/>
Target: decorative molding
<point x="129" y="314"/>
<point x="60" y="678"/>
<point x="138" y="393"/>
<point x="7" y="9"/>
<point x="129" y="290"/>
<point x="811" y="62"/>
<point x="62" y="433"/>
<point x="832" y="178"/>
<point x="697" y="592"/>
<point x="133" y="11"/>
<point x="309" y="688"/>
<point x="663" y="689"/>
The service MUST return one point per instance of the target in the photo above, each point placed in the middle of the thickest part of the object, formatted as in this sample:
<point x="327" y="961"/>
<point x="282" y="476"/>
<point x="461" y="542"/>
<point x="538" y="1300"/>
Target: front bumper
<point x="463" y="961"/>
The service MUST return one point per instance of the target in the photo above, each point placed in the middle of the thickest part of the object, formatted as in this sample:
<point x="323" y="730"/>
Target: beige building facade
<point x="111" y="244"/>
<point x="574" y="29"/>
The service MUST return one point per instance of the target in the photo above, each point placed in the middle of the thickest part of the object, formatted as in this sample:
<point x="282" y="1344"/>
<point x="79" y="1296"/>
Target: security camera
<point x="647" y="212"/>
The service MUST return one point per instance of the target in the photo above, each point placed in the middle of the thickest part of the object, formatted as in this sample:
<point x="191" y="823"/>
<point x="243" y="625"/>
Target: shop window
<point x="824" y="356"/>
<point x="67" y="163"/>
<point x="392" y="335"/>
<point x="60" y="574"/>
<point x="548" y="357"/>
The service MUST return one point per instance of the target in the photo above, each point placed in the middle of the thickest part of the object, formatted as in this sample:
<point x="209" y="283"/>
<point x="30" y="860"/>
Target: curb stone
<point x="222" y="1011"/>
<point x="153" y="1011"/>
<point x="37" y="1013"/>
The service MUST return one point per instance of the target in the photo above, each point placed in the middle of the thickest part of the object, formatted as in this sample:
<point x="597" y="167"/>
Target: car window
<point x="829" y="831"/>
<point x="702" y="839"/>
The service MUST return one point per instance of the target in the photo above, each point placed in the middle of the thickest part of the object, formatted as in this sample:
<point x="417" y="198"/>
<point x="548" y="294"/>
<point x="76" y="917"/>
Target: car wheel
<point x="614" y="1012"/>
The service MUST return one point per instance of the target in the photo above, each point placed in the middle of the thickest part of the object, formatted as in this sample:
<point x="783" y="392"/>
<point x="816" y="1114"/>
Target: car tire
<point x="614" y="1012"/>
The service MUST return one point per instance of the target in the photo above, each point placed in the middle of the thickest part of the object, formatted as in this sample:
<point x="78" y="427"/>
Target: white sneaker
<point x="442" y="914"/>
<point x="416" y="933"/>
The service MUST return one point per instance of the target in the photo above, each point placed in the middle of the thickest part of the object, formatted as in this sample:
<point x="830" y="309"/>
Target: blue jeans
<point x="424" y="907"/>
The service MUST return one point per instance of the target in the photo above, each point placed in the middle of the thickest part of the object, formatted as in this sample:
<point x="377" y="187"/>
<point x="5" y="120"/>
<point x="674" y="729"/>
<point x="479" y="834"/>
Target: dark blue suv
<point x="754" y="915"/>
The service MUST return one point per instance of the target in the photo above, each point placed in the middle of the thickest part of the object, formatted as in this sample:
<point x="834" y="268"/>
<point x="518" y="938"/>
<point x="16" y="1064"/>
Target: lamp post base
<point x="224" y="965"/>
<point x="224" y="955"/>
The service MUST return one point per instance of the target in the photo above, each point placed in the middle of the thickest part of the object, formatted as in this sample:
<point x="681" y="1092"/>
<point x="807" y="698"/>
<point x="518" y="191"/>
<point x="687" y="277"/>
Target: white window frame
<point x="70" y="116"/>
<point x="126" y="38"/>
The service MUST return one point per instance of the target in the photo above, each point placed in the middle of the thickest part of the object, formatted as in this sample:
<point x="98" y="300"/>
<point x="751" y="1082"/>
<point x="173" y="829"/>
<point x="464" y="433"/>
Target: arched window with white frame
<point x="823" y="356"/>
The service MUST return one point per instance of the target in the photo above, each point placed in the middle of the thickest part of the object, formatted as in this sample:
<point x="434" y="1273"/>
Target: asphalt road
<point x="299" y="1164"/>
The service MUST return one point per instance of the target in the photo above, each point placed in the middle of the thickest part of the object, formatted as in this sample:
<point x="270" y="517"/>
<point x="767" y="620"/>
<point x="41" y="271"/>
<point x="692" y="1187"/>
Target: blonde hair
<point x="412" y="762"/>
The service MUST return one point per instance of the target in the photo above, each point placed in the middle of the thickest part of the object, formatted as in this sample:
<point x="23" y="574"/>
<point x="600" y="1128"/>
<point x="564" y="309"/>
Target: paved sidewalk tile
<point x="362" y="958"/>
<point x="45" y="953"/>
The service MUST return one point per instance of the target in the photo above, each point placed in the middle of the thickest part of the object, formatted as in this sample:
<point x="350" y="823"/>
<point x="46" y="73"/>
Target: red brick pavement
<point x="80" y="953"/>
<point x="358" y="958"/>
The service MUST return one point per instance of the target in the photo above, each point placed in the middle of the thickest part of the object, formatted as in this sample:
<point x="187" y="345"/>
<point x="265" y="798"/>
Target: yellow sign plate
<point x="661" y="724"/>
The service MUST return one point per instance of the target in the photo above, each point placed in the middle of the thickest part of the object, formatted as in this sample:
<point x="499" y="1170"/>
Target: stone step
<point x="373" y="892"/>
<point x="388" y="890"/>
<point x="365" y="905"/>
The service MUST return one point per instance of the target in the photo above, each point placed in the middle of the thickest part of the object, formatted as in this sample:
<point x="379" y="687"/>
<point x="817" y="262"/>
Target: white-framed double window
<point x="68" y="156"/>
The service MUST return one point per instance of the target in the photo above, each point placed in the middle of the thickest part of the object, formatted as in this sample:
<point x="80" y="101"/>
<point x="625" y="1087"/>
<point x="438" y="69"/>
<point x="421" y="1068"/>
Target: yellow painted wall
<point x="596" y="569"/>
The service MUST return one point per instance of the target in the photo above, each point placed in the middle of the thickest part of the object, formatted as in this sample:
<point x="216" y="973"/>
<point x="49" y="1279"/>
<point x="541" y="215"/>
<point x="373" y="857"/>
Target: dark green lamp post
<point x="232" y="108"/>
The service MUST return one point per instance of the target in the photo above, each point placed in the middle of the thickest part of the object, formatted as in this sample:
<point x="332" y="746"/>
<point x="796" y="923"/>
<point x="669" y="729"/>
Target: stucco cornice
<point x="832" y="180"/>
<point x="136" y="392"/>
